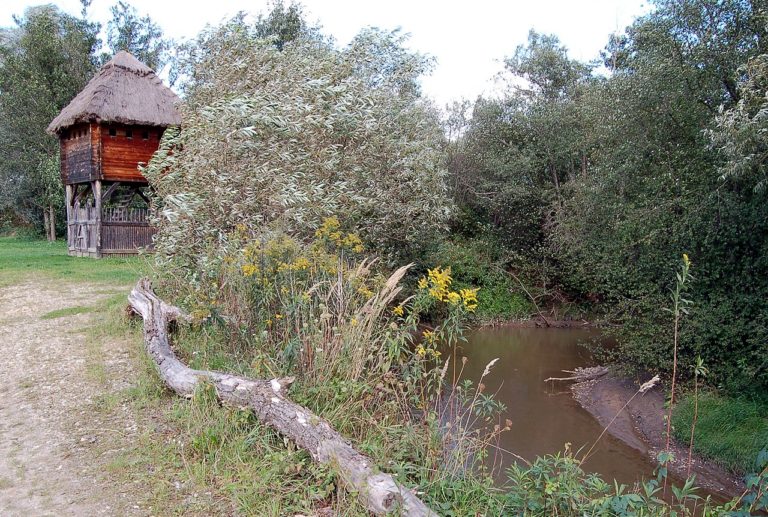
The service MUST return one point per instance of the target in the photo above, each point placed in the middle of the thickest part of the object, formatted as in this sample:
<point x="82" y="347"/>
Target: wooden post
<point x="98" y="208"/>
<point x="69" y="202"/>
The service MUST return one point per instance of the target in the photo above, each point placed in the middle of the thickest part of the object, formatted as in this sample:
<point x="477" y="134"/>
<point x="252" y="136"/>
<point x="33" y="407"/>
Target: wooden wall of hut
<point x="107" y="152"/>
<point x="78" y="163"/>
<point x="123" y="148"/>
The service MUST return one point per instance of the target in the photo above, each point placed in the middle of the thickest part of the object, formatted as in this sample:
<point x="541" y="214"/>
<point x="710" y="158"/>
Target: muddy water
<point x="545" y="417"/>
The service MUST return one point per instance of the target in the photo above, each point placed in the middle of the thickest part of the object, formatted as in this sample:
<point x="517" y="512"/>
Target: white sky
<point x="469" y="39"/>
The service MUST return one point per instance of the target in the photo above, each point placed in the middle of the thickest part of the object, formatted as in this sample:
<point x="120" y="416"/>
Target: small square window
<point x="112" y="131"/>
<point x="128" y="133"/>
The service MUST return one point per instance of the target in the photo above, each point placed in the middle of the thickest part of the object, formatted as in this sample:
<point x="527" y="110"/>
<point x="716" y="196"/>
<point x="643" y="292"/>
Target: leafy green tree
<point x="45" y="60"/>
<point x="742" y="130"/>
<point x="288" y="137"/>
<point x="283" y="24"/>
<point x="519" y="150"/>
<point x="654" y="193"/>
<point x="140" y="36"/>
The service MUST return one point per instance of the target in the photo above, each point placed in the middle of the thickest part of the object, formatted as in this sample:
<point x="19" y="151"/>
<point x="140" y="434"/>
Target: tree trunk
<point x="379" y="492"/>
<point x="47" y="223"/>
<point x="52" y="219"/>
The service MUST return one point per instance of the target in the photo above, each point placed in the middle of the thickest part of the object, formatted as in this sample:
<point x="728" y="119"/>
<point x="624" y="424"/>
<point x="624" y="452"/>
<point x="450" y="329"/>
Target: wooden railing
<point x="121" y="231"/>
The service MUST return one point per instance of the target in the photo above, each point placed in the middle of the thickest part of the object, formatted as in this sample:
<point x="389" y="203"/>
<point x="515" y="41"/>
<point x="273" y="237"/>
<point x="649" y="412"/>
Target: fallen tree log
<point x="379" y="492"/>
<point x="581" y="374"/>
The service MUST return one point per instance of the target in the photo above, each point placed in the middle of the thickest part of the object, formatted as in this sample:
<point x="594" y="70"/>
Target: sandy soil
<point x="48" y="431"/>
<point x="642" y="425"/>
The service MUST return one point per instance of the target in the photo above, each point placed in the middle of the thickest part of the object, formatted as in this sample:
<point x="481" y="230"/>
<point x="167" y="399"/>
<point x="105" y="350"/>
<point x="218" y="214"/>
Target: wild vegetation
<point x="45" y="60"/>
<point x="623" y="171"/>
<point x="306" y="176"/>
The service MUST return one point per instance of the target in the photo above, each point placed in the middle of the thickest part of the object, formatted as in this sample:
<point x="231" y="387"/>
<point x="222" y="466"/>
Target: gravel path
<point x="48" y="433"/>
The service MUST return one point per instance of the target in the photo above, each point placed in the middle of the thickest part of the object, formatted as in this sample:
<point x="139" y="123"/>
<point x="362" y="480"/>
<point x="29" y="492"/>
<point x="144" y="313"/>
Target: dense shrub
<point x="289" y="136"/>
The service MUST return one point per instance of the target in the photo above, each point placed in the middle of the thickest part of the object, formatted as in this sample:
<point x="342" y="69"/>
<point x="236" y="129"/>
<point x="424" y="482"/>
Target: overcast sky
<point x="469" y="38"/>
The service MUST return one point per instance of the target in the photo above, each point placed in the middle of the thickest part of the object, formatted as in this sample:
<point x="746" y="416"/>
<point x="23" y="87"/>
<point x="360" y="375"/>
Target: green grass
<point x="67" y="311"/>
<point x="21" y="258"/>
<point x="730" y="431"/>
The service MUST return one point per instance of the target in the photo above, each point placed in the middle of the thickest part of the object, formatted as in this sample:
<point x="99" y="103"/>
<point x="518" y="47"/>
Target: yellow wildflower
<point x="353" y="242"/>
<point x="302" y="263"/>
<point x="429" y="336"/>
<point x="278" y="316"/>
<point x="421" y="351"/>
<point x="423" y="283"/>
<point x="398" y="311"/>
<point x="330" y="225"/>
<point x="453" y="297"/>
<point x="469" y="296"/>
<point x="249" y="269"/>
<point x="440" y="279"/>
<point x="686" y="260"/>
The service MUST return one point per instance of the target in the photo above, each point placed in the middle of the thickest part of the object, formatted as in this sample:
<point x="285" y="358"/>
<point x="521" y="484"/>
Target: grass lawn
<point x="21" y="258"/>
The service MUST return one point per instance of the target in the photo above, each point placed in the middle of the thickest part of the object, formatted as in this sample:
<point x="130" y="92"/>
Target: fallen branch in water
<point x="379" y="492"/>
<point x="582" y="374"/>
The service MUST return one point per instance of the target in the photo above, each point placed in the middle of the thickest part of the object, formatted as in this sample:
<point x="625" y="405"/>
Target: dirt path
<point x="50" y="380"/>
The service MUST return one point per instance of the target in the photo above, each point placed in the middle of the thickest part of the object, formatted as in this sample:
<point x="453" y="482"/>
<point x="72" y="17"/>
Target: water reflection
<point x="544" y="416"/>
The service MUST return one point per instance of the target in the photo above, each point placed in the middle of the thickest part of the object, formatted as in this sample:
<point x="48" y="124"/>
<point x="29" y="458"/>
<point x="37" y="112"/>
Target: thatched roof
<point x="125" y="91"/>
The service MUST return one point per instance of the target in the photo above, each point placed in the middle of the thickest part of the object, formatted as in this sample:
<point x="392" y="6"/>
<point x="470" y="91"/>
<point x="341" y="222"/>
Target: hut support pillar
<point x="69" y="201"/>
<point x="98" y="206"/>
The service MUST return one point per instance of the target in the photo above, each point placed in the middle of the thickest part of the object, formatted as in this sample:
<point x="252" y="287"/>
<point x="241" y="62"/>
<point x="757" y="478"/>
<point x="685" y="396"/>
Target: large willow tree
<point x="286" y="130"/>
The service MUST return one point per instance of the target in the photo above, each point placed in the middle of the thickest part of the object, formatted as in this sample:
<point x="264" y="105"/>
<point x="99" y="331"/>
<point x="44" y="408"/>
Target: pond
<point x="544" y="415"/>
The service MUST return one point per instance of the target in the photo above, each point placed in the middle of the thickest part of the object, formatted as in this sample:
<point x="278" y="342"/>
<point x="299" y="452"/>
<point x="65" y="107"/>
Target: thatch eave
<point x="124" y="91"/>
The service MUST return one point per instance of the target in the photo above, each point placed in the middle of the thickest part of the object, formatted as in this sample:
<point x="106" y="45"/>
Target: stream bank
<point x="642" y="426"/>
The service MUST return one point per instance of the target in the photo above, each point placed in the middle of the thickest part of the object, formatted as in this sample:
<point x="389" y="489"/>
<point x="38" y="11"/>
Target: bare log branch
<point x="581" y="374"/>
<point x="379" y="492"/>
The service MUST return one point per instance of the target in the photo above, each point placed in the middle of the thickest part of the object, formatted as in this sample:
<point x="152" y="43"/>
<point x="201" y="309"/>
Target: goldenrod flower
<point x="423" y="283"/>
<point x="469" y="296"/>
<point x="440" y="279"/>
<point x="453" y="298"/>
<point x="249" y="269"/>
<point x="300" y="264"/>
<point x="398" y="311"/>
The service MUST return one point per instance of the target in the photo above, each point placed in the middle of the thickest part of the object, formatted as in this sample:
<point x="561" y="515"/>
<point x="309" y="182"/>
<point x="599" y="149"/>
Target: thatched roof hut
<point x="106" y="133"/>
<point x="125" y="91"/>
